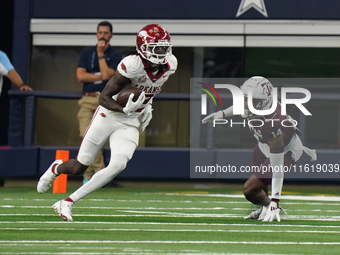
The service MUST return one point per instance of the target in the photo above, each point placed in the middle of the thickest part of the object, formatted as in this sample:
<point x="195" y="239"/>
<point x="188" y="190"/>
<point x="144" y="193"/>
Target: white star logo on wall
<point x="247" y="4"/>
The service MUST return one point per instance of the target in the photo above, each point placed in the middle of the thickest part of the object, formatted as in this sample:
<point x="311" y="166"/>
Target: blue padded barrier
<point x="157" y="163"/>
<point x="146" y="162"/>
<point x="47" y="156"/>
<point x="18" y="161"/>
<point x="162" y="163"/>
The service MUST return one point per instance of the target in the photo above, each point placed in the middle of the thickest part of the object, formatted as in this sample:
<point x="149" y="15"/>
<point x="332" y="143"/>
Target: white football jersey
<point x="133" y="68"/>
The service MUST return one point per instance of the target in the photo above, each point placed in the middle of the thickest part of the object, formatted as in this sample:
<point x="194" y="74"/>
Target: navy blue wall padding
<point x="146" y="163"/>
<point x="18" y="162"/>
<point x="47" y="156"/>
<point x="160" y="163"/>
<point x="232" y="158"/>
<point x="30" y="120"/>
<point x="178" y="9"/>
<point x="163" y="163"/>
<point x="200" y="158"/>
<point x="16" y="121"/>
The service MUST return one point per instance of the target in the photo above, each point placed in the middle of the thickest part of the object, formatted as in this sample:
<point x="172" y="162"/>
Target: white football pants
<point x="123" y="142"/>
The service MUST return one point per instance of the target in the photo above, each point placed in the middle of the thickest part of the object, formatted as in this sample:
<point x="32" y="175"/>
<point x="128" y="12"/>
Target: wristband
<point x="101" y="57"/>
<point x="21" y="85"/>
<point x="276" y="200"/>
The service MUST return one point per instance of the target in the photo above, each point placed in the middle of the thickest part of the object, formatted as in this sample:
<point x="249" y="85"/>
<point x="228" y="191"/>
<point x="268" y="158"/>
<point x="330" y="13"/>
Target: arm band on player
<point x="228" y="112"/>
<point x="276" y="161"/>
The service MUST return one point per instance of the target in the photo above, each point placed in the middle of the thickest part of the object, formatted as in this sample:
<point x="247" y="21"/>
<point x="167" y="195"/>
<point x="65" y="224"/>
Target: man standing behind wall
<point x="97" y="64"/>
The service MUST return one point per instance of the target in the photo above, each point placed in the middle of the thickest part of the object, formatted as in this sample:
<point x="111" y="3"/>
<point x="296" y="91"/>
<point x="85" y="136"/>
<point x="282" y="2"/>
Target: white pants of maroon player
<point x="123" y="142"/>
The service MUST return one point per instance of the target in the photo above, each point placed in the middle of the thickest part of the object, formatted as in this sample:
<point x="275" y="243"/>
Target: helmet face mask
<point x="156" y="52"/>
<point x="262" y="96"/>
<point x="154" y="44"/>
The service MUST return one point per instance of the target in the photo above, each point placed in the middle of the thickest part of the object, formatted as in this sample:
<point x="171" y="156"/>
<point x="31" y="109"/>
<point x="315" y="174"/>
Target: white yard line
<point x="283" y="197"/>
<point x="293" y="197"/>
<point x="164" y="242"/>
<point x="180" y="230"/>
<point x="119" y="208"/>
<point x="142" y="253"/>
<point x="171" y="208"/>
<point x="170" y="224"/>
<point x="183" y="215"/>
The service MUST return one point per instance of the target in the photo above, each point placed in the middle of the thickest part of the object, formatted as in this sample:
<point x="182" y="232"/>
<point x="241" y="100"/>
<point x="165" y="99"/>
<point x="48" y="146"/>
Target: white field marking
<point x="166" y="242"/>
<point x="142" y="253"/>
<point x="288" y="197"/>
<point x="169" y="215"/>
<point x="181" y="230"/>
<point x="311" y="203"/>
<point x="61" y="253"/>
<point x="188" y="201"/>
<point x="89" y="253"/>
<point x="185" y="252"/>
<point x="282" y="202"/>
<point x="88" y="248"/>
<point x="314" y="210"/>
<point x="204" y="202"/>
<point x="292" y="210"/>
<point x="172" y="208"/>
<point x="105" y="200"/>
<point x="166" y="214"/>
<point x="26" y="214"/>
<point x="170" y="224"/>
<point x="185" y="215"/>
<point x="138" y="200"/>
<point x="122" y="208"/>
<point x="191" y="208"/>
<point x="175" y="214"/>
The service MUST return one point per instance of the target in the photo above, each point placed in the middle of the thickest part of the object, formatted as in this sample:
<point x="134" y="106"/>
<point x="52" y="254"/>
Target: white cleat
<point x="47" y="178"/>
<point x="259" y="214"/>
<point x="64" y="208"/>
<point x="254" y="214"/>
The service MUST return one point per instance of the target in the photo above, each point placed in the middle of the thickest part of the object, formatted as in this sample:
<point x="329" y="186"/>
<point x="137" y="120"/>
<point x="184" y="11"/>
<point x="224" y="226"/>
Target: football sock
<point x="54" y="169"/>
<point x="69" y="200"/>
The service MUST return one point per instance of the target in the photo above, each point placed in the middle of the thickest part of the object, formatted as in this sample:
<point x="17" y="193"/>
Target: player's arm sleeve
<point x="276" y="158"/>
<point x="228" y="112"/>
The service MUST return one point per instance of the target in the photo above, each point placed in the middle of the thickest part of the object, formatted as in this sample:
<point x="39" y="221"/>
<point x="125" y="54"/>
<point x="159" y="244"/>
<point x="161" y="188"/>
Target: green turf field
<point x="168" y="221"/>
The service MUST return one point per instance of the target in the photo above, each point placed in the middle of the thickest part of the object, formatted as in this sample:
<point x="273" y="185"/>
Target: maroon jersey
<point x="267" y="128"/>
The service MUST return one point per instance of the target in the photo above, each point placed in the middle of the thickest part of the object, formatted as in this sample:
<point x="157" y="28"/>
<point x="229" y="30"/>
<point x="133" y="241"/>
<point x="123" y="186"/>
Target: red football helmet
<point x="154" y="44"/>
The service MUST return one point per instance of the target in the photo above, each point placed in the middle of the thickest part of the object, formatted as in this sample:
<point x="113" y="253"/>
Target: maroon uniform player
<point x="278" y="148"/>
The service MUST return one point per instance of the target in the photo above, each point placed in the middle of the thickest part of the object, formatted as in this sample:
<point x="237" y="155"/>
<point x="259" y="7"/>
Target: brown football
<point x="125" y="93"/>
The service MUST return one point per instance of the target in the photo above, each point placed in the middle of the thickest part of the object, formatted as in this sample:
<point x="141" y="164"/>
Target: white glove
<point x="273" y="212"/>
<point x="211" y="117"/>
<point x="147" y="116"/>
<point x="131" y="106"/>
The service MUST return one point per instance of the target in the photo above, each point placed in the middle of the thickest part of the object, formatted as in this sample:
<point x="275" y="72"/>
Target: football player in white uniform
<point x="147" y="70"/>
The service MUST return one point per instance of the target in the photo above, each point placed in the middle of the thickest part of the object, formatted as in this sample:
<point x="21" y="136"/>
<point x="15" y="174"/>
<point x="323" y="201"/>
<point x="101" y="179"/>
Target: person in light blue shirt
<point x="7" y="69"/>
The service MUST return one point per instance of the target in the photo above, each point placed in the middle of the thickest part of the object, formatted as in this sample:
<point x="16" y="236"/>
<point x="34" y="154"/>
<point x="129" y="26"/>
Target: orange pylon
<point x="60" y="184"/>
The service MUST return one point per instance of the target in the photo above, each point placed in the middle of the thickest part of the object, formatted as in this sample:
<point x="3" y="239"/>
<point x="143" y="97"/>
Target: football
<point x="125" y="93"/>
